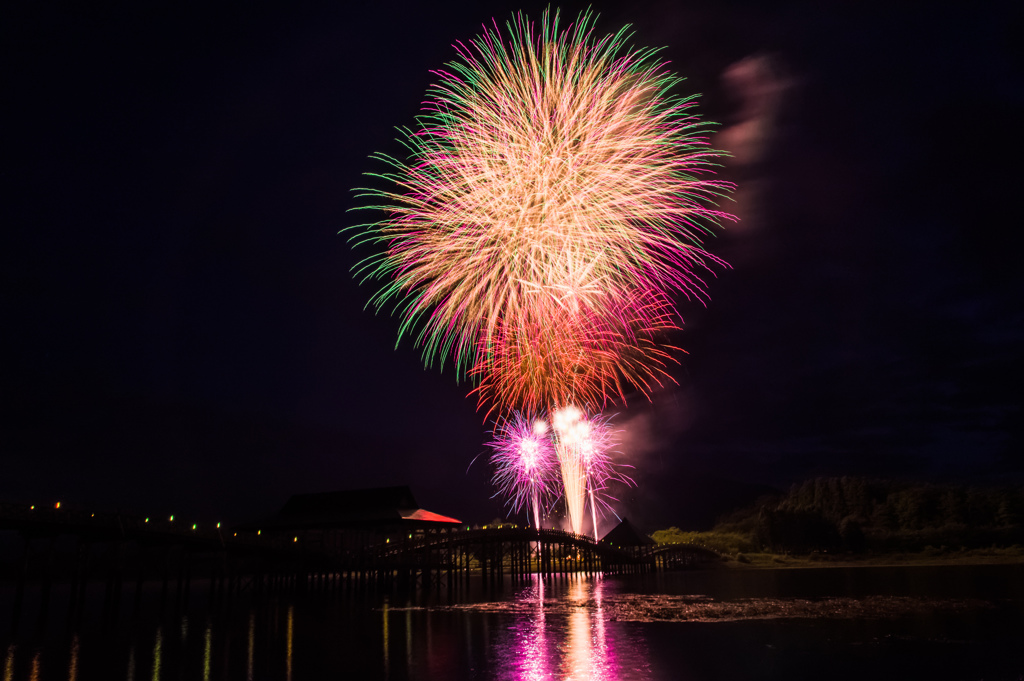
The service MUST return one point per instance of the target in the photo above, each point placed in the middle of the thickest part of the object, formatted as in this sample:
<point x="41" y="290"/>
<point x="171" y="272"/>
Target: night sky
<point x="181" y="332"/>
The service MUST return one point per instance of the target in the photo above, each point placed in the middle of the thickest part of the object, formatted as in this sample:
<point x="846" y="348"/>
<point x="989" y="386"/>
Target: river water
<point x="950" y="622"/>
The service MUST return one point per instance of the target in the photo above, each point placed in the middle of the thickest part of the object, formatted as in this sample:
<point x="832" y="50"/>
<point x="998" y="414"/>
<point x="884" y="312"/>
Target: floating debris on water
<point x="667" y="608"/>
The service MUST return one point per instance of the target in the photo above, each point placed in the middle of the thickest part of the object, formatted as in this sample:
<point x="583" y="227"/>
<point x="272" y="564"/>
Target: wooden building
<point x="350" y="520"/>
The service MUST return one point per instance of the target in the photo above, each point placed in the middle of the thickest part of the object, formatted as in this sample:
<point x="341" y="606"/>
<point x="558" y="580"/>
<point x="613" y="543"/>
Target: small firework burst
<point x="583" y="446"/>
<point x="524" y="463"/>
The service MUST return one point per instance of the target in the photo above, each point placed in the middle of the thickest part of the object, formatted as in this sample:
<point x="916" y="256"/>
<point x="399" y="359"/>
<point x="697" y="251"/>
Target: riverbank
<point x="988" y="556"/>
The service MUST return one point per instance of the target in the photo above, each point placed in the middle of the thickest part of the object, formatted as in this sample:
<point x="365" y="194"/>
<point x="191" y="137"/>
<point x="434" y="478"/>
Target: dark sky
<point x="181" y="331"/>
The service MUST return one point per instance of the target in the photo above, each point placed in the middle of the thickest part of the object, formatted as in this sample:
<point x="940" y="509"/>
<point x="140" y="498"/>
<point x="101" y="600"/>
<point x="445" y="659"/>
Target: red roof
<point x="420" y="514"/>
<point x="380" y="508"/>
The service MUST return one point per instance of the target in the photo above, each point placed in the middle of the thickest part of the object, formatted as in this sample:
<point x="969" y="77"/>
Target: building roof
<point x="373" y="508"/>
<point x="349" y="501"/>
<point x="625" y="534"/>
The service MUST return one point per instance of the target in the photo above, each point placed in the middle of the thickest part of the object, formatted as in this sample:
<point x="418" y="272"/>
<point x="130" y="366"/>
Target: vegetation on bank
<point x="862" y="519"/>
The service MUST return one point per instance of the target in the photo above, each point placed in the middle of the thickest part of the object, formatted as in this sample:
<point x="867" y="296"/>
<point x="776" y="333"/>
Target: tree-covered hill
<point x="853" y="514"/>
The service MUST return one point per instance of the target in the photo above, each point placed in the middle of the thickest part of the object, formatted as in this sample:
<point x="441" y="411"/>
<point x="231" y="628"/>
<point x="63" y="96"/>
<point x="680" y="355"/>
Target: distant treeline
<point x="862" y="514"/>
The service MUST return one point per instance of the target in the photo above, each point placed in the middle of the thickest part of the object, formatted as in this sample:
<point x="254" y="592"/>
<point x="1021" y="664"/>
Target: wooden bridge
<point x="520" y="551"/>
<point x="78" y="548"/>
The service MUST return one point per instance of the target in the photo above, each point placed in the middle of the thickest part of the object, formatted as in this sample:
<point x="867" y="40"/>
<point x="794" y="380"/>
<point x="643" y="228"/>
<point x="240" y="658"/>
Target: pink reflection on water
<point x="604" y="643"/>
<point x="577" y="659"/>
<point x="586" y="653"/>
<point x="531" y="640"/>
<point x="569" y="645"/>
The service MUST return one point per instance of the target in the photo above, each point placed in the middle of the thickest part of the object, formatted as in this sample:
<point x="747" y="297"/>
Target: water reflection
<point x="548" y="629"/>
<point x="531" y="634"/>
<point x="9" y="664"/>
<point x="577" y="657"/>
<point x="252" y="644"/>
<point x="209" y="644"/>
<point x="566" y="636"/>
<point x="430" y="642"/>
<point x="408" y="639"/>
<point x="586" y="651"/>
<point x="561" y="628"/>
<point x="384" y="617"/>
<point x="157" y="645"/>
<point x="73" y="664"/>
<point x="604" y="644"/>
<point x="291" y="630"/>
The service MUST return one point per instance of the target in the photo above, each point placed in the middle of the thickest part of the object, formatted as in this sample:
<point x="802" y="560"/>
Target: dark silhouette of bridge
<point x="518" y="551"/>
<point x="76" y="548"/>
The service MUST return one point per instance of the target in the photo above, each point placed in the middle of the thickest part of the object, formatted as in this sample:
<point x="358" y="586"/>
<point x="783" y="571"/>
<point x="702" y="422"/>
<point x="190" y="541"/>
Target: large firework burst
<point x="549" y="211"/>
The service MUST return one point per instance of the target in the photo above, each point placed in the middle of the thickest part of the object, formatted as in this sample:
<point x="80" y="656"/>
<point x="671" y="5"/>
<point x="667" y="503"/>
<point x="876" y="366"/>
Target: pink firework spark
<point x="525" y="464"/>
